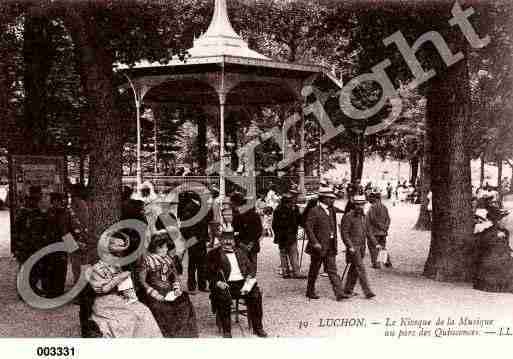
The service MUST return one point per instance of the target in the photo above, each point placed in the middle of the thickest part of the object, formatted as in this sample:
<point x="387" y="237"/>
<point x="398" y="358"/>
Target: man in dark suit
<point x="30" y="235"/>
<point x="247" y="227"/>
<point x="229" y="269"/>
<point x="355" y="231"/>
<point x="189" y="206"/>
<point x="378" y="221"/>
<point x="286" y="222"/>
<point x="321" y="228"/>
<point x="55" y="264"/>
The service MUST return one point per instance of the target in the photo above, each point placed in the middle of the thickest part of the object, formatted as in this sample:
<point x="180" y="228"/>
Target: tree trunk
<point x="353" y="158"/>
<point x="482" y="173"/>
<point x="414" y="166"/>
<point x="448" y="97"/>
<point x="356" y="157"/>
<point x="105" y="157"/>
<point x="511" y="178"/>
<point x="361" y="157"/>
<point x="424" y="220"/>
<point x="38" y="54"/>
<point x="499" y="179"/>
<point x="81" y="165"/>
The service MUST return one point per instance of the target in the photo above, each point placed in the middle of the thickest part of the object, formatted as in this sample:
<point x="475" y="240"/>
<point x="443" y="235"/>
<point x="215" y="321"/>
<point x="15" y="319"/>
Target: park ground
<point x="402" y="292"/>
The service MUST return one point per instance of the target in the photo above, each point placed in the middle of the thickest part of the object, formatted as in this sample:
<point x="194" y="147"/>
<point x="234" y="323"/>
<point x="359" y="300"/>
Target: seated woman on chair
<point x="116" y="310"/>
<point x="159" y="274"/>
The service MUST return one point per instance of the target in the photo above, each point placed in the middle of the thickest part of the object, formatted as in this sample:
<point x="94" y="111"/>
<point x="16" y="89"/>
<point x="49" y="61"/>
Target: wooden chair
<point x="239" y="308"/>
<point x="240" y="311"/>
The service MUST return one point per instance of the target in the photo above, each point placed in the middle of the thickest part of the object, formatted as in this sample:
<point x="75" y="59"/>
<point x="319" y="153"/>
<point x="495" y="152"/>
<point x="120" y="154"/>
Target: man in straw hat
<point x="286" y="222"/>
<point x="321" y="228"/>
<point x="355" y="231"/>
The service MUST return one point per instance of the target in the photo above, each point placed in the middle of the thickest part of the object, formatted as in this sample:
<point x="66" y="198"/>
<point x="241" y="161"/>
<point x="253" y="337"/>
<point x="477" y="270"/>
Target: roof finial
<point x="221" y="25"/>
<point x="220" y="37"/>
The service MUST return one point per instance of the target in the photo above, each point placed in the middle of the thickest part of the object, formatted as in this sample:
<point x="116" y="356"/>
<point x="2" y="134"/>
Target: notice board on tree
<point x="48" y="172"/>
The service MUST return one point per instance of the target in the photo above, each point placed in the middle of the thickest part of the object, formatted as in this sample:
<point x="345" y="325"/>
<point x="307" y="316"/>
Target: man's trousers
<point x="357" y="271"/>
<point x="330" y="265"/>
<point x="222" y="304"/>
<point x="197" y="267"/>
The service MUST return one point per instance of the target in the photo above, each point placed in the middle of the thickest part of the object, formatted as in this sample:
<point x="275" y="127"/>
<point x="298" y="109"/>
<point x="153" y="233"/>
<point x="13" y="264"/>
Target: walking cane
<point x="302" y="250"/>
<point x="227" y="290"/>
<point x="344" y="273"/>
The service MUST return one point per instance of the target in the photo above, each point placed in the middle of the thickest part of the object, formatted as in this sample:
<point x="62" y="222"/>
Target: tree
<point x="104" y="33"/>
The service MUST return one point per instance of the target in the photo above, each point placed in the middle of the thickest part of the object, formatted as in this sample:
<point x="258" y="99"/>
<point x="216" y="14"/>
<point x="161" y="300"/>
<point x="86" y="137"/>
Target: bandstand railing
<point x="244" y="184"/>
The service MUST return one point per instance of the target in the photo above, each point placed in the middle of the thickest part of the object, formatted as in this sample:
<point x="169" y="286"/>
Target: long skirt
<point x="117" y="318"/>
<point x="176" y="319"/>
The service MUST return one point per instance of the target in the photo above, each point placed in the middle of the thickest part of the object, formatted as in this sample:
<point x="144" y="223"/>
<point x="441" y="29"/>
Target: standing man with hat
<point x="286" y="222"/>
<point x="355" y="231"/>
<point x="321" y="228"/>
<point x="214" y="216"/>
<point x="379" y="223"/>
<point x="30" y="233"/>
<point x="188" y="207"/>
<point x="247" y="227"/>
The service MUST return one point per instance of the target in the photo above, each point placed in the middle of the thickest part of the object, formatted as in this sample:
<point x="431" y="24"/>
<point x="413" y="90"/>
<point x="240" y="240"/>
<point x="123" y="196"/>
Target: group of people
<point x="149" y="298"/>
<point x="38" y="225"/>
<point x="318" y="220"/>
<point x="221" y="260"/>
<point x="358" y="230"/>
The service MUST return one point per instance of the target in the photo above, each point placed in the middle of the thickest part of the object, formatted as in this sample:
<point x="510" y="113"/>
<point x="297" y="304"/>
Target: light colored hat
<point x="359" y="199"/>
<point x="118" y="242"/>
<point x="327" y="192"/>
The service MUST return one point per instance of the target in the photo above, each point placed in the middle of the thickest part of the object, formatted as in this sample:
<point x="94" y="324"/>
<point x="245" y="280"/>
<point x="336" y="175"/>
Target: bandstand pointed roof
<point x="221" y="61"/>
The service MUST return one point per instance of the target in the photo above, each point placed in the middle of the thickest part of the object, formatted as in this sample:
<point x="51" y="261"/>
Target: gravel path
<point x="401" y="292"/>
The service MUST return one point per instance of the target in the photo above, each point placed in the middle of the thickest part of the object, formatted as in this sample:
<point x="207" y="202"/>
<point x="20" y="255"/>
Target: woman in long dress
<point x="159" y="274"/>
<point x="116" y="310"/>
<point x="494" y="262"/>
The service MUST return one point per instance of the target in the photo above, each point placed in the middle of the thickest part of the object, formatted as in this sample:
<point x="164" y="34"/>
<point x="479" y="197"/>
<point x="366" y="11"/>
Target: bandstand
<point x="222" y="72"/>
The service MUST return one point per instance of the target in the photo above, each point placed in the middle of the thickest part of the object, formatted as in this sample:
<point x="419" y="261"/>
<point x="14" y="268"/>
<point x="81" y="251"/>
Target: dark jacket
<point x="248" y="225"/>
<point x="59" y="224"/>
<point x="30" y="233"/>
<point x="218" y="263"/>
<point x="286" y="222"/>
<point x="322" y="229"/>
<point x="493" y="265"/>
<point x="378" y="219"/>
<point x="199" y="229"/>
<point x="355" y="230"/>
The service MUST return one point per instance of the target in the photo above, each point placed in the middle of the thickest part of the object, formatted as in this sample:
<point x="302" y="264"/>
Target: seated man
<point x="228" y="271"/>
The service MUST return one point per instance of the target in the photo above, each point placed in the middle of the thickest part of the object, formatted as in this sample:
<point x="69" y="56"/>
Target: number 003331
<point x="55" y="351"/>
